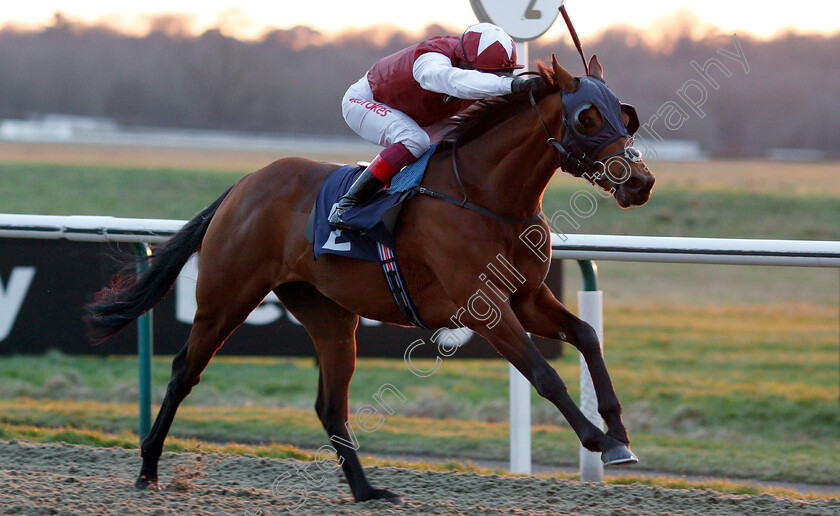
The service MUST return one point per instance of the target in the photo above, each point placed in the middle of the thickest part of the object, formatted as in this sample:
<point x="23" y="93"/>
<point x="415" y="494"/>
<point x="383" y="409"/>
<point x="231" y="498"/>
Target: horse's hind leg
<point x="333" y="329"/>
<point x="220" y="311"/>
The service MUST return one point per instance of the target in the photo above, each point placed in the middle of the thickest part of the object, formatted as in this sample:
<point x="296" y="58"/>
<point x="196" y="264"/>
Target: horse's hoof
<point x="388" y="496"/>
<point x="146" y="484"/>
<point x="619" y="455"/>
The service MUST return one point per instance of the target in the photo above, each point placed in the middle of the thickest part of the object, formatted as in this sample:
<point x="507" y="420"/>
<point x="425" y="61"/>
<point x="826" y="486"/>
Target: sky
<point x="250" y="18"/>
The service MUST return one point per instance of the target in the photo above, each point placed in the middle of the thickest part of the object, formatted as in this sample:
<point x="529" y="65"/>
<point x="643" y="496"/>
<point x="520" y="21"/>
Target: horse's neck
<point x="508" y="168"/>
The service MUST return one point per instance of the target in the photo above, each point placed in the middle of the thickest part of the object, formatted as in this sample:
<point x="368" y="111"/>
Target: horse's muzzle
<point x="635" y="191"/>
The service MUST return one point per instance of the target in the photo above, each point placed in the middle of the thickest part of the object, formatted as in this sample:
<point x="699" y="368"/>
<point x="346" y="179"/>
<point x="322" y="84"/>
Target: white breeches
<point x="381" y="124"/>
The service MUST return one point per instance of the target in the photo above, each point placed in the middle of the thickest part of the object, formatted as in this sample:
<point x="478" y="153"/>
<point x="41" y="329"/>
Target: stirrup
<point x="335" y="218"/>
<point x="360" y="192"/>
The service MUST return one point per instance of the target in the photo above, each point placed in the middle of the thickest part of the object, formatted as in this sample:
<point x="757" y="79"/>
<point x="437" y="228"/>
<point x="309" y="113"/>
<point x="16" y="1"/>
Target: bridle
<point x="576" y="162"/>
<point x="464" y="203"/>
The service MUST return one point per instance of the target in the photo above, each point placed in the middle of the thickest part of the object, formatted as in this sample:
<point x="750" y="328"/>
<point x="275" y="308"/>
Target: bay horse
<point x="252" y="243"/>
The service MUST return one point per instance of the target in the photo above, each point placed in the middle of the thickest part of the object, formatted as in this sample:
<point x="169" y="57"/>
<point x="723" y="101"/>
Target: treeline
<point x="292" y="81"/>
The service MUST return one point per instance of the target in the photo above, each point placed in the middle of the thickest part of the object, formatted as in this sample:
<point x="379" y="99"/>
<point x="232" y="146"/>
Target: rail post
<point x="590" y="307"/>
<point x="144" y="349"/>
<point x="520" y="388"/>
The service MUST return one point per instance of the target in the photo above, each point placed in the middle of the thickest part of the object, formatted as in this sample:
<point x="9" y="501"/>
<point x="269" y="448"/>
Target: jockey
<point x="417" y="87"/>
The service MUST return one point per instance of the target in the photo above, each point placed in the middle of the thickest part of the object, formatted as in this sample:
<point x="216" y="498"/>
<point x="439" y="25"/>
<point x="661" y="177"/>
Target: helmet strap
<point x="469" y="65"/>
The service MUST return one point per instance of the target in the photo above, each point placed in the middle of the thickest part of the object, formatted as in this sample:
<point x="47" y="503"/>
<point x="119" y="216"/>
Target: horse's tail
<point x="129" y="297"/>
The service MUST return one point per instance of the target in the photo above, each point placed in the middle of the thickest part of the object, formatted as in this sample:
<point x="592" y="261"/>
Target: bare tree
<point x="293" y="80"/>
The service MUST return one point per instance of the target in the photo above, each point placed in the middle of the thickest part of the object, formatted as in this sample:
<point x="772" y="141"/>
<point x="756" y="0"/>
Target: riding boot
<point x="359" y="193"/>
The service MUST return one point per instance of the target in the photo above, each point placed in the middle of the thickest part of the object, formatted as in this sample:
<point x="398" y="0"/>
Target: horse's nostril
<point x="634" y="184"/>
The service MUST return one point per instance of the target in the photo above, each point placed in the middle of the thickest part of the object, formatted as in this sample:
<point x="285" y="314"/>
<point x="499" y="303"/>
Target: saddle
<point x="375" y="220"/>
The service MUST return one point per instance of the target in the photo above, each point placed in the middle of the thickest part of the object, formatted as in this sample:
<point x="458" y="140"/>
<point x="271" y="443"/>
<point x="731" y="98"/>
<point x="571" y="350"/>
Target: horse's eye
<point x="583" y="121"/>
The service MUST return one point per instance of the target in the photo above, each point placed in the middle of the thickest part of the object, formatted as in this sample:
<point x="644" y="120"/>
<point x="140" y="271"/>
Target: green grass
<point x="60" y="189"/>
<point x="179" y="193"/>
<point x="701" y="213"/>
<point x="57" y="189"/>
<point x="660" y="285"/>
<point x="741" y="391"/>
<point x="722" y="370"/>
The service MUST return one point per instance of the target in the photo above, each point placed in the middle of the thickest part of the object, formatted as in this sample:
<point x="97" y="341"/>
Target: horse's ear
<point x="546" y="73"/>
<point x="564" y="79"/>
<point x="595" y="68"/>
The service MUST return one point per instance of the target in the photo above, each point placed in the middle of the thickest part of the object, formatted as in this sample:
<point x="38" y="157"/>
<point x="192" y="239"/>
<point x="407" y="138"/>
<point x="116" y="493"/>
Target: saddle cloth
<point x="375" y="219"/>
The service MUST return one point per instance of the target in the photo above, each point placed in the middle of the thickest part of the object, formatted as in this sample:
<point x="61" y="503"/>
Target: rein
<point x="464" y="203"/>
<point x="576" y="163"/>
<point x="578" y="167"/>
<point x="579" y="164"/>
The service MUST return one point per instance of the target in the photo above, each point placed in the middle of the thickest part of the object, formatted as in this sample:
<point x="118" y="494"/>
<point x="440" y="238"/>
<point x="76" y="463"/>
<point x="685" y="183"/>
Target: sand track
<point x="70" y="479"/>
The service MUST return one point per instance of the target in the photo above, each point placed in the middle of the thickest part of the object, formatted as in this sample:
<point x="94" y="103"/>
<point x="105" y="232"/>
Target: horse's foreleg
<point x="541" y="314"/>
<point x="510" y="339"/>
<point x="333" y="329"/>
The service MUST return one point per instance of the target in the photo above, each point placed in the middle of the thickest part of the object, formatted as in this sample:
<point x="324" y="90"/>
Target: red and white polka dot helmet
<point x="488" y="48"/>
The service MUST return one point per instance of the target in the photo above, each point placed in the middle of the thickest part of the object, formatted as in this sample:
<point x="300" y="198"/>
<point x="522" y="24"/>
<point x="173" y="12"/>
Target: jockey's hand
<point x="535" y="84"/>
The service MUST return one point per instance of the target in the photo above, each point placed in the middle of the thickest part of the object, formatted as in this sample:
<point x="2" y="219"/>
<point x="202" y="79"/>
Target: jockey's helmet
<point x="488" y="48"/>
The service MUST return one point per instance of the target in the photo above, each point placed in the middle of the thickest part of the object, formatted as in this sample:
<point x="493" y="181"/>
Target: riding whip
<point x="574" y="36"/>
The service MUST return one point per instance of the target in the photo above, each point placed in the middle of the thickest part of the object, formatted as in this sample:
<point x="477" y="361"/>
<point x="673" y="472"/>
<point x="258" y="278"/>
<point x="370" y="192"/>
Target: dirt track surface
<point x="68" y="479"/>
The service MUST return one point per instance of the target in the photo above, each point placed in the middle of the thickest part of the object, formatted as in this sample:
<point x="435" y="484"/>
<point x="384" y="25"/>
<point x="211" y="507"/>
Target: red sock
<point x="390" y="161"/>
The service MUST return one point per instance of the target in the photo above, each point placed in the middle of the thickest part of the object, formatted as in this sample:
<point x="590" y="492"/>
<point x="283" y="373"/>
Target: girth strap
<point x="395" y="282"/>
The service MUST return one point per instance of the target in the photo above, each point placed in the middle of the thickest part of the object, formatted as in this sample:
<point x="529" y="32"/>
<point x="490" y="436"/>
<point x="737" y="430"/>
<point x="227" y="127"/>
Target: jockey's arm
<point x="434" y="72"/>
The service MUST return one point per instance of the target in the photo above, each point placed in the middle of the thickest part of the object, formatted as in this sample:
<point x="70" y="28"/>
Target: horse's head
<point x="597" y="135"/>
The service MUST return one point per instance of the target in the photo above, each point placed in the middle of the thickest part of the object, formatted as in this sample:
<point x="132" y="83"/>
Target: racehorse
<point x="252" y="243"/>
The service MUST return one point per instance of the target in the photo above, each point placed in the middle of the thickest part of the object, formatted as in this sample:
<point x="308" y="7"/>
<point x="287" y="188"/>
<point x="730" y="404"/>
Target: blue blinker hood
<point x="593" y="91"/>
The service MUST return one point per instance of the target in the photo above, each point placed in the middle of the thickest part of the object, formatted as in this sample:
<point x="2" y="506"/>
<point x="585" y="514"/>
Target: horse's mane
<point x="486" y="114"/>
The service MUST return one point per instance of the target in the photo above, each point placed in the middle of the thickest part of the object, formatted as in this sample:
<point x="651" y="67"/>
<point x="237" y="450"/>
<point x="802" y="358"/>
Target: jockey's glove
<point x="535" y="84"/>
